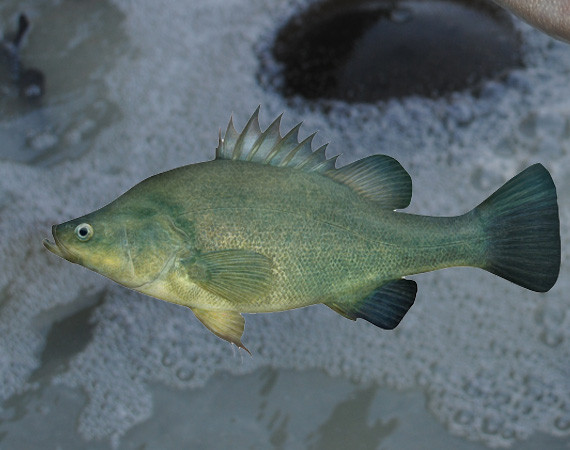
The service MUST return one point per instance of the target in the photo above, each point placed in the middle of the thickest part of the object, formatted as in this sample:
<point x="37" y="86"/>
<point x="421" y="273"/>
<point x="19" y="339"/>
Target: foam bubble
<point x="491" y="357"/>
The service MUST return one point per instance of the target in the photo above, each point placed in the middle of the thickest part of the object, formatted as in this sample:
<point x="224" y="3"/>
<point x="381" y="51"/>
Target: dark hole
<point x="363" y="50"/>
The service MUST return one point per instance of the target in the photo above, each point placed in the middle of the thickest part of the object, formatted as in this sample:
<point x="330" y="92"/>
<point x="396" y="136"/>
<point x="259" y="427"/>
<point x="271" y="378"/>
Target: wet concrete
<point x="364" y="51"/>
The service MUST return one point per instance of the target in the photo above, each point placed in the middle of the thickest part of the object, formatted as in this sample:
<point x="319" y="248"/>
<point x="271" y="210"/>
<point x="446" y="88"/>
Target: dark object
<point x="23" y="25"/>
<point x="368" y="50"/>
<point x="30" y="82"/>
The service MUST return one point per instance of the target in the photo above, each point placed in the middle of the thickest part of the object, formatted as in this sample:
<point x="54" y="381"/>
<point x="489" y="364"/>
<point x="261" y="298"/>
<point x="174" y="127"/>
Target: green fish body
<point x="270" y="225"/>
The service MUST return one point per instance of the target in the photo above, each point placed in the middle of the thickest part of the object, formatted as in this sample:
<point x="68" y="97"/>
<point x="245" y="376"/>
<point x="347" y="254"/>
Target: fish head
<point x="129" y="248"/>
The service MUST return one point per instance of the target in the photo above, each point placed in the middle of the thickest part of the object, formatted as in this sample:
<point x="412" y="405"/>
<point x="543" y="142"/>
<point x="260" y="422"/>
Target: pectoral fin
<point x="227" y="325"/>
<point x="236" y="275"/>
<point x="384" y="307"/>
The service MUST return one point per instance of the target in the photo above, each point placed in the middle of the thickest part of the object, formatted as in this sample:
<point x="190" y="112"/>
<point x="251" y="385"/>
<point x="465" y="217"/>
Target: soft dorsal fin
<point x="379" y="178"/>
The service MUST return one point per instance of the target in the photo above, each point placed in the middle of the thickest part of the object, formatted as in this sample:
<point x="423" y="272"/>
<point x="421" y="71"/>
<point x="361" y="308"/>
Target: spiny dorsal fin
<point x="378" y="178"/>
<point x="269" y="147"/>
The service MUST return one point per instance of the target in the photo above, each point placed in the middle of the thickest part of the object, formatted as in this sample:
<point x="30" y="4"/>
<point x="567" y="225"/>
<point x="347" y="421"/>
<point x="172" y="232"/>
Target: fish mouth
<point x="58" y="248"/>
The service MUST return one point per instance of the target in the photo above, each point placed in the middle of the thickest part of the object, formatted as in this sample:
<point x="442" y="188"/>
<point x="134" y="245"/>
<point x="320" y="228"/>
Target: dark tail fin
<point x="523" y="229"/>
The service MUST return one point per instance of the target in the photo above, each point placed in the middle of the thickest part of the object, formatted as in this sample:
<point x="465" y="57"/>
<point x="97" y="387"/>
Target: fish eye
<point x="84" y="231"/>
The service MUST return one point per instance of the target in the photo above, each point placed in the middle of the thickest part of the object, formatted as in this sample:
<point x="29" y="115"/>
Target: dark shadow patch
<point x="66" y="337"/>
<point x="369" y="50"/>
<point x="348" y="425"/>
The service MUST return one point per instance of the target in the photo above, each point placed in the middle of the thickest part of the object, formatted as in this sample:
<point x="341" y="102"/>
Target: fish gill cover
<point x="492" y="358"/>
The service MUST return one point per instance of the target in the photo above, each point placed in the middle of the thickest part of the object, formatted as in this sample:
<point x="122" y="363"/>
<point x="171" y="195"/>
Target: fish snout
<point x="58" y="248"/>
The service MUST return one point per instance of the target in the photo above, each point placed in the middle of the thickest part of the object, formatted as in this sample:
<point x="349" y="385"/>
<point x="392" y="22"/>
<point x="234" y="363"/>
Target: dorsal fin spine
<point x="224" y="151"/>
<point x="270" y="137"/>
<point x="305" y="144"/>
<point x="255" y="147"/>
<point x="250" y="129"/>
<point x="317" y="155"/>
<point x="326" y="165"/>
<point x="292" y="135"/>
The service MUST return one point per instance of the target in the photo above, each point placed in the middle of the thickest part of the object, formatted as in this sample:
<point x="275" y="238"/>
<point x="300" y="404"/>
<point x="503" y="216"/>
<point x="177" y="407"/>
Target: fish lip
<point x="59" y="248"/>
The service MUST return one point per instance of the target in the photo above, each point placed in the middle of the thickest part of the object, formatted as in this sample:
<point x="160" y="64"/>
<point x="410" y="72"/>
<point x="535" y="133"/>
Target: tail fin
<point x="523" y="229"/>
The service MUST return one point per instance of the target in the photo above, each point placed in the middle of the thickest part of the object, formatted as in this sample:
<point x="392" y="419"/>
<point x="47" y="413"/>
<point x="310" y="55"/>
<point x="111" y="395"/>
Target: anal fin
<point x="379" y="178"/>
<point x="384" y="306"/>
<point x="227" y="325"/>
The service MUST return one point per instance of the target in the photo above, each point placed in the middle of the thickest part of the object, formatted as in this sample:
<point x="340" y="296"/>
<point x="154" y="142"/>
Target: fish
<point x="271" y="225"/>
<point x="30" y="81"/>
<point x="550" y="16"/>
